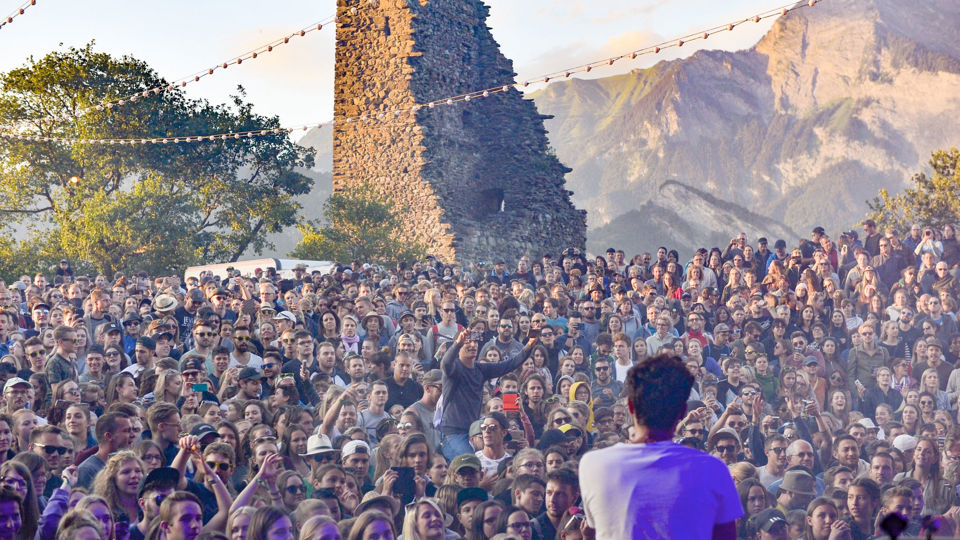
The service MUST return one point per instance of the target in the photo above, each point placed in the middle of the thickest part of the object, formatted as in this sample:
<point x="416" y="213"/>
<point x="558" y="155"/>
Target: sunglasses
<point x="242" y="338"/>
<point x="224" y="467"/>
<point x="561" y="420"/>
<point x="266" y="438"/>
<point x="293" y="490"/>
<point x="405" y="425"/>
<point x="206" y="334"/>
<point x="449" y="311"/>
<point x="51" y="449"/>
<point x="726" y="448"/>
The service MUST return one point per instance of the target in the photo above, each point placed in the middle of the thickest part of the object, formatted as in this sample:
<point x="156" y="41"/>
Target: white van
<point x="284" y="267"/>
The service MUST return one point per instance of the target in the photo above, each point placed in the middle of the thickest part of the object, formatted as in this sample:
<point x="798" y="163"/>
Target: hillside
<point x="832" y="104"/>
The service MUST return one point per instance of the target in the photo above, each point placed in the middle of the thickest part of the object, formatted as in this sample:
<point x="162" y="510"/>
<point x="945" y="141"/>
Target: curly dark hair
<point x="658" y="388"/>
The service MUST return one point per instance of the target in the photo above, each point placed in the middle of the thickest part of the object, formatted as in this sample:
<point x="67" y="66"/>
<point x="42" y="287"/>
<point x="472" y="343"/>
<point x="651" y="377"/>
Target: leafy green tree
<point x="933" y="201"/>
<point x="155" y="207"/>
<point x="359" y="225"/>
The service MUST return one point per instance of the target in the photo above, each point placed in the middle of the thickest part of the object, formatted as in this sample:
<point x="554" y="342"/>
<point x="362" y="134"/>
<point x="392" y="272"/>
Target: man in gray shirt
<point x="509" y="347"/>
<point x="426" y="406"/>
<point x="463" y="379"/>
<point x="114" y="432"/>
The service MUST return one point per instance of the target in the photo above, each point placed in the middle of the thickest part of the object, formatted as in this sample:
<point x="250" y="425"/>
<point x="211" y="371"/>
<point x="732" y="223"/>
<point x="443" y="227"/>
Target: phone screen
<point x="533" y="333"/>
<point x="404" y="486"/>
<point x="202" y="387"/>
<point x="510" y="403"/>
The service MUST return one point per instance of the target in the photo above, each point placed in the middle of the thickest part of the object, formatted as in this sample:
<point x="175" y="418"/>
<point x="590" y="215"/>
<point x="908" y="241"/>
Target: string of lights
<point x="195" y="77"/>
<point x="18" y="12"/>
<point x="450" y="100"/>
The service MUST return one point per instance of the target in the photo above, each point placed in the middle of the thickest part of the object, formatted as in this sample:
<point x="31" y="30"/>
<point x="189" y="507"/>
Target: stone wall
<point x="477" y="178"/>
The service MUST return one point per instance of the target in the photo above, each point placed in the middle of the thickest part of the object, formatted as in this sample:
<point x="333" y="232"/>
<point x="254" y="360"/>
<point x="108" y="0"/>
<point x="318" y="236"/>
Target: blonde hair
<point x="410" y="519"/>
<point x="105" y="484"/>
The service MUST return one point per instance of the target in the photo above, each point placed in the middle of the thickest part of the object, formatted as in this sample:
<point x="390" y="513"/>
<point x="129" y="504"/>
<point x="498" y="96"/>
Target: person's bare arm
<point x="725" y="531"/>
<point x="219" y="520"/>
<point x="333" y="412"/>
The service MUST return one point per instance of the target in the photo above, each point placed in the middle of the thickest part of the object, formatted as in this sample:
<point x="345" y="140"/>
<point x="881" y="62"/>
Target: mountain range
<point x="832" y="104"/>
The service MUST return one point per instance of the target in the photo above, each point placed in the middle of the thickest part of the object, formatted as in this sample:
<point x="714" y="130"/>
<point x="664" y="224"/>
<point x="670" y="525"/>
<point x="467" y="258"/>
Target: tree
<point x="155" y="207"/>
<point x="360" y="225"/>
<point x="933" y="201"/>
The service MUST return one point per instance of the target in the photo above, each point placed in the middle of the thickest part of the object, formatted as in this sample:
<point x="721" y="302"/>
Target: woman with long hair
<point x="238" y="524"/>
<point x="515" y="522"/>
<point x="838" y="404"/>
<point x="118" y="482"/>
<point x="16" y="476"/>
<point x="534" y="389"/>
<point x="483" y="526"/>
<point x="910" y="418"/>
<point x="100" y="509"/>
<point x="423" y="522"/>
<point x="150" y="454"/>
<point x="168" y="386"/>
<point x="293" y="490"/>
<point x="6" y="438"/>
<point x="754" y="498"/>
<point x="294" y="444"/>
<point x="122" y="388"/>
<point x="823" y="521"/>
<point x="348" y="334"/>
<point x="926" y="469"/>
<point x="76" y="422"/>
<point x="930" y="382"/>
<point x="373" y="524"/>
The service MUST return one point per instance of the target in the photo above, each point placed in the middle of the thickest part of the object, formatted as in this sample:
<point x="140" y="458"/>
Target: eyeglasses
<point x="50" y="449"/>
<point x="265" y="438"/>
<point x="293" y="490"/>
<point x="520" y="526"/>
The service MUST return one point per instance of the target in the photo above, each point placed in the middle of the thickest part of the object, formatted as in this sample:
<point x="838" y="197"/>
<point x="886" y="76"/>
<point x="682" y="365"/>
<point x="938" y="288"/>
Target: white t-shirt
<point x="254" y="362"/>
<point x="656" y="490"/>
<point x="490" y="466"/>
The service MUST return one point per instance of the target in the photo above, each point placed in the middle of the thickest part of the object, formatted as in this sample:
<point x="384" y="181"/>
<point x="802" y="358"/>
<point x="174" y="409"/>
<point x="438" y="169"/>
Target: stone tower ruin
<point x="477" y="179"/>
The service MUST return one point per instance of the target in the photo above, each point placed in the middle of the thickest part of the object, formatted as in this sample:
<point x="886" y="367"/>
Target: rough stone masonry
<point x="477" y="178"/>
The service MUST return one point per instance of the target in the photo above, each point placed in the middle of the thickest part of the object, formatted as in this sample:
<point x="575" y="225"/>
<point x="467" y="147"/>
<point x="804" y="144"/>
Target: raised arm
<point x="219" y="520"/>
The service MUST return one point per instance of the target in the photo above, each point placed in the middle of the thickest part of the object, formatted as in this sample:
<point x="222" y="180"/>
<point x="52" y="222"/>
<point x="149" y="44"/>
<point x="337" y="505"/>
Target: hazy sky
<point x="179" y="37"/>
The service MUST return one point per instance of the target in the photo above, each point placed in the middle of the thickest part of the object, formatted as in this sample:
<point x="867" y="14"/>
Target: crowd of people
<point x="435" y="401"/>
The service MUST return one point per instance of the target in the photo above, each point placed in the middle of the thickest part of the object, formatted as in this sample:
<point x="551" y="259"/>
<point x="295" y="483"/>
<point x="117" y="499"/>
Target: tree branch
<point x="25" y="210"/>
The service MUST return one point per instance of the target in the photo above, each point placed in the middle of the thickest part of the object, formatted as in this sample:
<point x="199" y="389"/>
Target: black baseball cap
<point x="159" y="478"/>
<point x="191" y="363"/>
